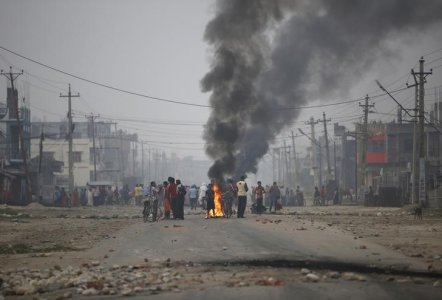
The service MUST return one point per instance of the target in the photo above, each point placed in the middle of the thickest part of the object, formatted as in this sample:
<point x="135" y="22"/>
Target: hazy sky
<point x="157" y="48"/>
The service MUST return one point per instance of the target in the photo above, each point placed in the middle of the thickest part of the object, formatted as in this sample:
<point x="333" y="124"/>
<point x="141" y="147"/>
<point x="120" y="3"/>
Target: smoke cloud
<point x="270" y="55"/>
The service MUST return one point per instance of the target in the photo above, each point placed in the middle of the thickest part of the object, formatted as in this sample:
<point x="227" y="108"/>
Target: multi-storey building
<point x="107" y="161"/>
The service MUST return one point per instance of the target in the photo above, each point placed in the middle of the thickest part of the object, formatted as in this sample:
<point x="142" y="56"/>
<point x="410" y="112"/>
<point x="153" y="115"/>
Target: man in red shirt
<point x="259" y="191"/>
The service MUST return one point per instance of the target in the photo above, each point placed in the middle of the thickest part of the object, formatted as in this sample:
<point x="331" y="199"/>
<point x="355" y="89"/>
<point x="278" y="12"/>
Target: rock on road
<point x="263" y="238"/>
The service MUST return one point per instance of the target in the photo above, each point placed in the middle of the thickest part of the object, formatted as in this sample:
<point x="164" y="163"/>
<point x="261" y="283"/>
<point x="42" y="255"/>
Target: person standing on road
<point x="90" y="196"/>
<point x="75" y="198"/>
<point x="260" y="191"/>
<point x="57" y="196"/>
<point x="210" y="200"/>
<point x="299" y="197"/>
<point x="202" y="196"/>
<point x="172" y="192"/>
<point x="146" y="191"/>
<point x="64" y="198"/>
<point x="316" y="197"/>
<point x="135" y="193"/>
<point x="166" y="200"/>
<point x="193" y="196"/>
<point x="153" y="194"/>
<point x="181" y="193"/>
<point x="242" y="196"/>
<point x="275" y="194"/>
<point x="160" y="189"/>
<point x="287" y="197"/>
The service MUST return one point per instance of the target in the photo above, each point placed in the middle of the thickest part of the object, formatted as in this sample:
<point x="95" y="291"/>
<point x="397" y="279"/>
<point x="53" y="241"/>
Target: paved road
<point x="253" y="238"/>
<point x="263" y="238"/>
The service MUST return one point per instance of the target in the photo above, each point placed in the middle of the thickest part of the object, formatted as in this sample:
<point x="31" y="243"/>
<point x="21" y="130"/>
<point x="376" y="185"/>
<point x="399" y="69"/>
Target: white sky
<point x="156" y="48"/>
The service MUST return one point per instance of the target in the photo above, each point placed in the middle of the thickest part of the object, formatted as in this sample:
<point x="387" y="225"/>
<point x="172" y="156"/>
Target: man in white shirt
<point x="202" y="196"/>
<point x="242" y="196"/>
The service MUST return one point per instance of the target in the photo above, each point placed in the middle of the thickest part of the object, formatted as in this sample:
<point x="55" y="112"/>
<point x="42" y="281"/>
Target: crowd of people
<point x="172" y="195"/>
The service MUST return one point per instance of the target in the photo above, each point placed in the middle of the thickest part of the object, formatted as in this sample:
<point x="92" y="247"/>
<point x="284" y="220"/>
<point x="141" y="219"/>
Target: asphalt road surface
<point x="267" y="240"/>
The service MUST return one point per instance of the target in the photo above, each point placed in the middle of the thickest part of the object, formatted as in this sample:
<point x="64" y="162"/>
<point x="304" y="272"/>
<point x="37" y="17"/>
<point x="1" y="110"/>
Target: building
<point x="389" y="157"/>
<point x="13" y="179"/>
<point x="112" y="158"/>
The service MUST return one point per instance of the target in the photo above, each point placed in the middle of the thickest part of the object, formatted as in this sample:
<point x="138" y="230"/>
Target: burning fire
<point x="218" y="205"/>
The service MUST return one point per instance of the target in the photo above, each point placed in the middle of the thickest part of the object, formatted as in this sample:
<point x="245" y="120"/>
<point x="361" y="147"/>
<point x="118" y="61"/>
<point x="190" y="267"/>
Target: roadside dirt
<point x="394" y="228"/>
<point x="36" y="236"/>
<point x="42" y="251"/>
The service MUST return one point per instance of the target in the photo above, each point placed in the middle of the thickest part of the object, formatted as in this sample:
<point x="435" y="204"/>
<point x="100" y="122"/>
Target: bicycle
<point x="151" y="211"/>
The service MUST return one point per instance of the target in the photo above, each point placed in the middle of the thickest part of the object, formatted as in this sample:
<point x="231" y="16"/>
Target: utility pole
<point x="286" y="165"/>
<point x="70" y="156"/>
<point x="92" y="118"/>
<point x="420" y="79"/>
<point x="133" y="157"/>
<point x="12" y="77"/>
<point x="142" y="161"/>
<point x="320" y="164"/>
<point x="40" y="158"/>
<point x="327" y="149"/>
<point x="366" y="109"/>
<point x="148" y="164"/>
<point x="122" y="166"/>
<point x="334" y="155"/>
<point x="342" y="179"/>
<point x="312" y="123"/>
<point x="277" y="151"/>
<point x="42" y="138"/>
<point x="295" y="162"/>
<point x="415" y="142"/>
<point x="314" y="145"/>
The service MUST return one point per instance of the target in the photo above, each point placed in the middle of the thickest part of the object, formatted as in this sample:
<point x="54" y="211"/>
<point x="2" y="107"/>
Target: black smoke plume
<point x="270" y="55"/>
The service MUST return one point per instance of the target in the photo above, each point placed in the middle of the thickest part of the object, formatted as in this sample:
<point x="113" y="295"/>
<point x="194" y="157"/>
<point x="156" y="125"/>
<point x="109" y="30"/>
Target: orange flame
<point x="218" y="205"/>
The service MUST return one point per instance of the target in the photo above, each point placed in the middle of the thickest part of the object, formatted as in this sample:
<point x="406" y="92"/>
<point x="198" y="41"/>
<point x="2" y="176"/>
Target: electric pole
<point x="12" y="77"/>
<point x="142" y="161"/>
<point x="287" y="176"/>
<point x="42" y="138"/>
<point x="70" y="129"/>
<point x="121" y="156"/>
<point x="149" y="172"/>
<point x="92" y="118"/>
<point x="327" y="149"/>
<point x="415" y="164"/>
<point x="40" y="159"/>
<point x="312" y="123"/>
<point x="363" y="165"/>
<point x="134" y="150"/>
<point x="420" y="79"/>
<point x="295" y="162"/>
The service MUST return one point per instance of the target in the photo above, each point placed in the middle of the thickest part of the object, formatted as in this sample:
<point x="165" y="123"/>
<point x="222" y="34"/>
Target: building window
<point x="76" y="156"/>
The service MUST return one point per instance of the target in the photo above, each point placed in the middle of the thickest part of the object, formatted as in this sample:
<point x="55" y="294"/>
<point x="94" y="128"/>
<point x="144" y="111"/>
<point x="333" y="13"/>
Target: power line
<point x="104" y="85"/>
<point x="340" y="103"/>
<point x="432" y="52"/>
<point x="170" y="100"/>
